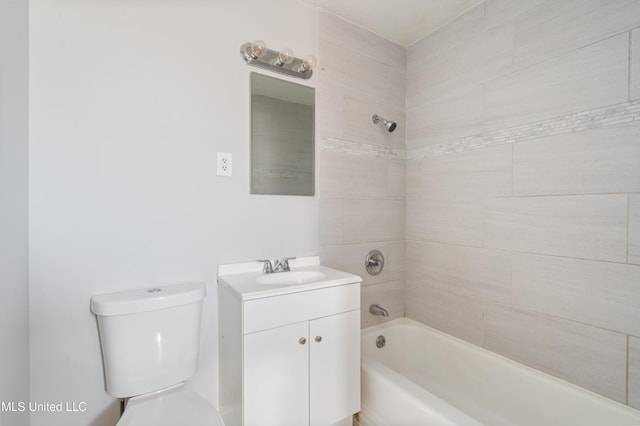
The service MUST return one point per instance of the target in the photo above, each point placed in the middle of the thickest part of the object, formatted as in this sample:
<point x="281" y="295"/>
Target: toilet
<point x="150" y="340"/>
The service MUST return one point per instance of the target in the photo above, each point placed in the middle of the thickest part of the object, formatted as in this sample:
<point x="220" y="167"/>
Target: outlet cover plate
<point x="224" y="164"/>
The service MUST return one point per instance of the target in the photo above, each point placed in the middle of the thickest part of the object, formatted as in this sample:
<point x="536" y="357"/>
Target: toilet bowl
<point x="173" y="406"/>
<point x="150" y="340"/>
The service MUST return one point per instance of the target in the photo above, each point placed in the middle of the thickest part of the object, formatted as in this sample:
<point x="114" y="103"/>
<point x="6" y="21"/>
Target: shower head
<point x="388" y="124"/>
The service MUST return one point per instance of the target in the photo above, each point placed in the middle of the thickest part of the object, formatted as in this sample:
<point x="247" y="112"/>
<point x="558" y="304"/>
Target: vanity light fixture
<point x="284" y="61"/>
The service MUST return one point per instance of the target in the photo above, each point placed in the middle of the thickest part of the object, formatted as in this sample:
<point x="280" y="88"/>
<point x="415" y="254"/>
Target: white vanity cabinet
<point x="306" y="373"/>
<point x="289" y="359"/>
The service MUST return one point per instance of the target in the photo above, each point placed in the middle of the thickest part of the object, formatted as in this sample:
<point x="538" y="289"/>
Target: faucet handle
<point x="285" y="263"/>
<point x="266" y="268"/>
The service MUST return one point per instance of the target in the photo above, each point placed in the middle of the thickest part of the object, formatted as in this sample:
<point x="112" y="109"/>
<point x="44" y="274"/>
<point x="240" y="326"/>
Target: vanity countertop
<point x="243" y="278"/>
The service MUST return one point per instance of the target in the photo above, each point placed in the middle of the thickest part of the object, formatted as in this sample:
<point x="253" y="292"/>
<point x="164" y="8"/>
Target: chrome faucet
<point x="279" y="265"/>
<point x="376" y="309"/>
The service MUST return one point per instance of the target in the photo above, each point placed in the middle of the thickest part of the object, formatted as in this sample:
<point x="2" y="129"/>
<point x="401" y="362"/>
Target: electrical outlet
<point x="224" y="164"/>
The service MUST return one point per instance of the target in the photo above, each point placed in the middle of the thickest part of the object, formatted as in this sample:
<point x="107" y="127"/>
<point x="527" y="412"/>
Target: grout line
<point x="629" y="66"/>
<point x="628" y="225"/>
<point x="342" y="209"/>
<point x="511" y="251"/>
<point x="483" y="314"/>
<point x="626" y="390"/>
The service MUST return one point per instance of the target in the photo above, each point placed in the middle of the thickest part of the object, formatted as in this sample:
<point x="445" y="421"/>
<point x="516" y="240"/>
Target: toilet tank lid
<point x="147" y="299"/>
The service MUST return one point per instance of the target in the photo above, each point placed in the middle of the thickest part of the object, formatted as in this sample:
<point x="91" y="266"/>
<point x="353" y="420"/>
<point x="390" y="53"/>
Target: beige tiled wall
<point x="513" y="219"/>
<point x="588" y="356"/>
<point x="604" y="294"/>
<point x="362" y="185"/>
<point x="523" y="186"/>
<point x="582" y="226"/>
<point x="597" y="161"/>
<point x="561" y="85"/>
<point x="561" y="27"/>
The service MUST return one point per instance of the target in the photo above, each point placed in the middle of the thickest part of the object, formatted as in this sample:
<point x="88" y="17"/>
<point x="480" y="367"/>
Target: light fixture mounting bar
<point x="270" y="58"/>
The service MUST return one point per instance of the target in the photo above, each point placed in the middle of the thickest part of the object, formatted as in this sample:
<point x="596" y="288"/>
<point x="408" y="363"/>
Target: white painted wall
<point x="14" y="328"/>
<point x="130" y="101"/>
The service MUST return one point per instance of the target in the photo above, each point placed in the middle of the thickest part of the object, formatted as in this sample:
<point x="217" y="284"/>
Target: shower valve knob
<point x="374" y="262"/>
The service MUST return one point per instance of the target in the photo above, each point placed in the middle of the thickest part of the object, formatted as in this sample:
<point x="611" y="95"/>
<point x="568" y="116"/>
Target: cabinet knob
<point x="302" y="341"/>
<point x="318" y="339"/>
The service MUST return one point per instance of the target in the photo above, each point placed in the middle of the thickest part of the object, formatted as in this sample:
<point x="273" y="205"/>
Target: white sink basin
<point x="249" y="282"/>
<point x="292" y="277"/>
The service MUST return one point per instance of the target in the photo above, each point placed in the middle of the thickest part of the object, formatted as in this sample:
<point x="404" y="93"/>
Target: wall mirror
<point x="282" y="137"/>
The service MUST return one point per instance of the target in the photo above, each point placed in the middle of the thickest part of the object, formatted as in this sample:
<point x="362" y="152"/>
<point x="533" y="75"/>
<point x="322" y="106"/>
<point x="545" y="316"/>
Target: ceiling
<point x="401" y="21"/>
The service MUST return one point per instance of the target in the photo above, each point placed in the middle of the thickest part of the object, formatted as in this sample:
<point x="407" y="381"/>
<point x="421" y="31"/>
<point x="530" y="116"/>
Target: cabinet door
<point x="276" y="377"/>
<point x="334" y="368"/>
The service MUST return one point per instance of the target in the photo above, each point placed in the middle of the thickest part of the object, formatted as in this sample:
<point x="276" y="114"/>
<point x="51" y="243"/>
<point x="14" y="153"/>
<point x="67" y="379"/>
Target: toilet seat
<point x="172" y="406"/>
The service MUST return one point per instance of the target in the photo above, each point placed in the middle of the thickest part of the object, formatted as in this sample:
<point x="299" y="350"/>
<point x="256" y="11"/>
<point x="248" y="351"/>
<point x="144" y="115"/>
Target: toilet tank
<point x="149" y="337"/>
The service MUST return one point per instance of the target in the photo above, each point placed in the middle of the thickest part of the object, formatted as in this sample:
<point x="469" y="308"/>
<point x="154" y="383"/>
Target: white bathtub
<point x="424" y="377"/>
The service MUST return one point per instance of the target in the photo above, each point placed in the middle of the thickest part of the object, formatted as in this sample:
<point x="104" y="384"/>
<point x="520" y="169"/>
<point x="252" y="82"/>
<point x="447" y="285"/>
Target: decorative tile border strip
<point x="358" y="148"/>
<point x="612" y="115"/>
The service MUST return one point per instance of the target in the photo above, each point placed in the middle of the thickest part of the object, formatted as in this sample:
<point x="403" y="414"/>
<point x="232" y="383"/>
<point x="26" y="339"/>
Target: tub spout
<point x="378" y="310"/>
